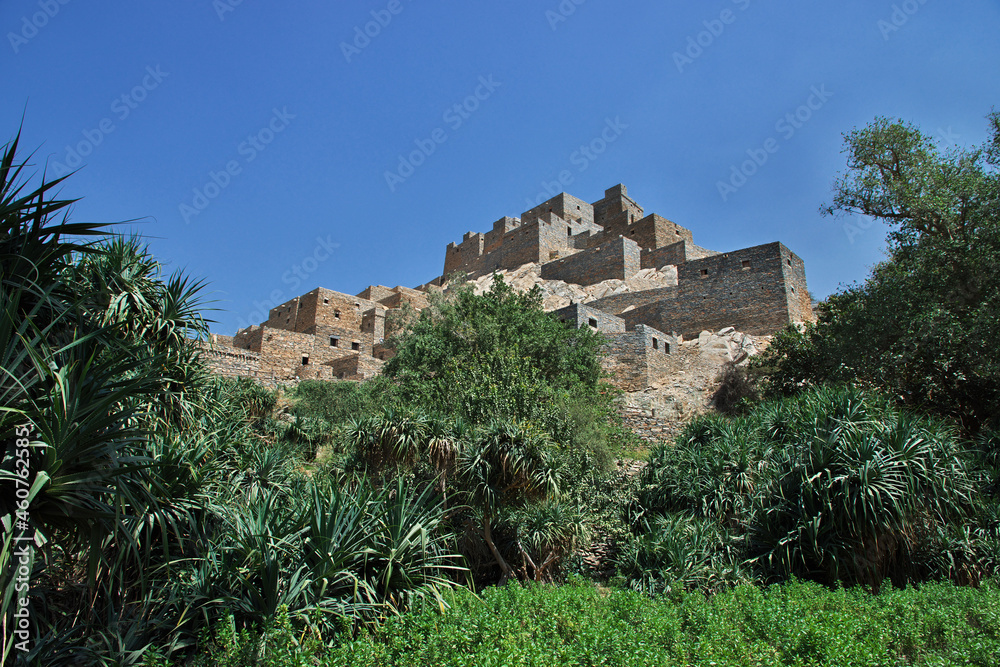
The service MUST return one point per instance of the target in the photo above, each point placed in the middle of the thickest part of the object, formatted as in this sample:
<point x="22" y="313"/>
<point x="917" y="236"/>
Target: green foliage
<point x="794" y="624"/>
<point x="161" y="499"/>
<point x="923" y="325"/>
<point x="337" y="402"/>
<point x="494" y="356"/>
<point x="833" y="485"/>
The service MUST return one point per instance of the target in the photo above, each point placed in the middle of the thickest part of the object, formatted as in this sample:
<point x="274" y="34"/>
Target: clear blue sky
<point x="161" y="95"/>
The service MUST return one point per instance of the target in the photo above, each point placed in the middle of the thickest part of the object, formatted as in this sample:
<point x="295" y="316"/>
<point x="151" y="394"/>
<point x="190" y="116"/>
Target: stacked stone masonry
<point x="330" y="335"/>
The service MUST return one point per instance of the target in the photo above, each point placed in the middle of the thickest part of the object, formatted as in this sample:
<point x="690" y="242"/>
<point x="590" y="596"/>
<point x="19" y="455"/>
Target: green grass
<point x="581" y="625"/>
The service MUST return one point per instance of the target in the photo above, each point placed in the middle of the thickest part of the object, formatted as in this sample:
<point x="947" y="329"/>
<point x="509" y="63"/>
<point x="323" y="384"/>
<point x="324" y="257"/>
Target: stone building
<point x="329" y="335"/>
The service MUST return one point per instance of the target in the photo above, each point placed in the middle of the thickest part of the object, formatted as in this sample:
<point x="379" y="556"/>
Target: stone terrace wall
<point x="618" y="303"/>
<point x="228" y="361"/>
<point x="648" y="426"/>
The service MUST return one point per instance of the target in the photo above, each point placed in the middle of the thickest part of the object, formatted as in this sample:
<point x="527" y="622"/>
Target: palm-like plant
<point x="89" y="378"/>
<point x="505" y="466"/>
<point x="546" y="534"/>
<point x="834" y="485"/>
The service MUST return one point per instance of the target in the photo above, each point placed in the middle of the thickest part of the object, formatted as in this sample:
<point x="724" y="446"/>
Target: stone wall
<point x="637" y="358"/>
<point x="746" y="289"/>
<point x="577" y="213"/>
<point x="620" y="303"/>
<point x="616" y="211"/>
<point x="649" y="427"/>
<point x="223" y="359"/>
<point x="581" y="315"/>
<point x="615" y="260"/>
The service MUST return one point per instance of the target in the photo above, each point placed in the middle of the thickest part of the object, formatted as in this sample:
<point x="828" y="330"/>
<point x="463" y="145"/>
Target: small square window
<point x="592" y="322"/>
<point x="355" y="345"/>
<point x="746" y="263"/>
<point x="305" y="360"/>
<point x="336" y="314"/>
<point x="326" y="301"/>
<point x="704" y="272"/>
<point x="334" y="341"/>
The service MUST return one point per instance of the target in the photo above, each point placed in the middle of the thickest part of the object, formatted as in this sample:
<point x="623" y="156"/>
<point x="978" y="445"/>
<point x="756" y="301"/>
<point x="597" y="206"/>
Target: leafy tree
<point x="923" y="325"/>
<point x="491" y="356"/>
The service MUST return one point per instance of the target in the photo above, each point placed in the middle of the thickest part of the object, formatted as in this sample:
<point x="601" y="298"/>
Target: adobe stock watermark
<point x="293" y="277"/>
<point x="121" y="108"/>
<point x="562" y="12"/>
<point x="581" y="159"/>
<point x="454" y="117"/>
<point x="32" y="25"/>
<point x="861" y="224"/>
<point x="947" y="136"/>
<point x="363" y="35"/>
<point x="901" y="15"/>
<point x="24" y="539"/>
<point x="787" y="127"/>
<point x="223" y="7"/>
<point x="714" y="28"/>
<point x="248" y="149"/>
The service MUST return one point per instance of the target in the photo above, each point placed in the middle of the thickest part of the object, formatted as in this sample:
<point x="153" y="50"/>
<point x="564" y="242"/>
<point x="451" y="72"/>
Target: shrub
<point x="833" y="485"/>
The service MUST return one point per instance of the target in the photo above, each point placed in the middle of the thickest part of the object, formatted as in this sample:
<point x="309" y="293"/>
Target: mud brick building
<point x="329" y="335"/>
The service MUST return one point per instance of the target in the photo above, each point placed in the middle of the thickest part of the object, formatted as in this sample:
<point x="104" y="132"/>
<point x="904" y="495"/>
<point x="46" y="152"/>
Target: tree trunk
<point x="488" y="536"/>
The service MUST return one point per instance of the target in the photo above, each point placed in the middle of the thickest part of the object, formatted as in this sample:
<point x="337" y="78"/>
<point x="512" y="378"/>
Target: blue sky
<point x="252" y="140"/>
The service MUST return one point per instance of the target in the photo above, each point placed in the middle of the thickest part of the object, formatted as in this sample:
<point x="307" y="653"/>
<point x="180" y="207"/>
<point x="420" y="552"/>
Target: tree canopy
<point x="923" y="324"/>
<point x="495" y="355"/>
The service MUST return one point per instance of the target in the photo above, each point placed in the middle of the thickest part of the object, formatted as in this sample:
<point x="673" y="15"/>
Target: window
<point x="336" y="314"/>
<point x="569" y="231"/>
<point x="704" y="272"/>
<point x="746" y="263"/>
<point x="326" y="301"/>
<point x="334" y="341"/>
<point x="656" y="344"/>
<point x="666" y="348"/>
<point x="305" y="360"/>
<point x="355" y="345"/>
<point x="789" y="262"/>
<point x="592" y="322"/>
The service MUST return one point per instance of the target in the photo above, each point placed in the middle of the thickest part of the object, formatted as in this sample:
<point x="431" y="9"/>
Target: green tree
<point x="492" y="356"/>
<point x="923" y="325"/>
